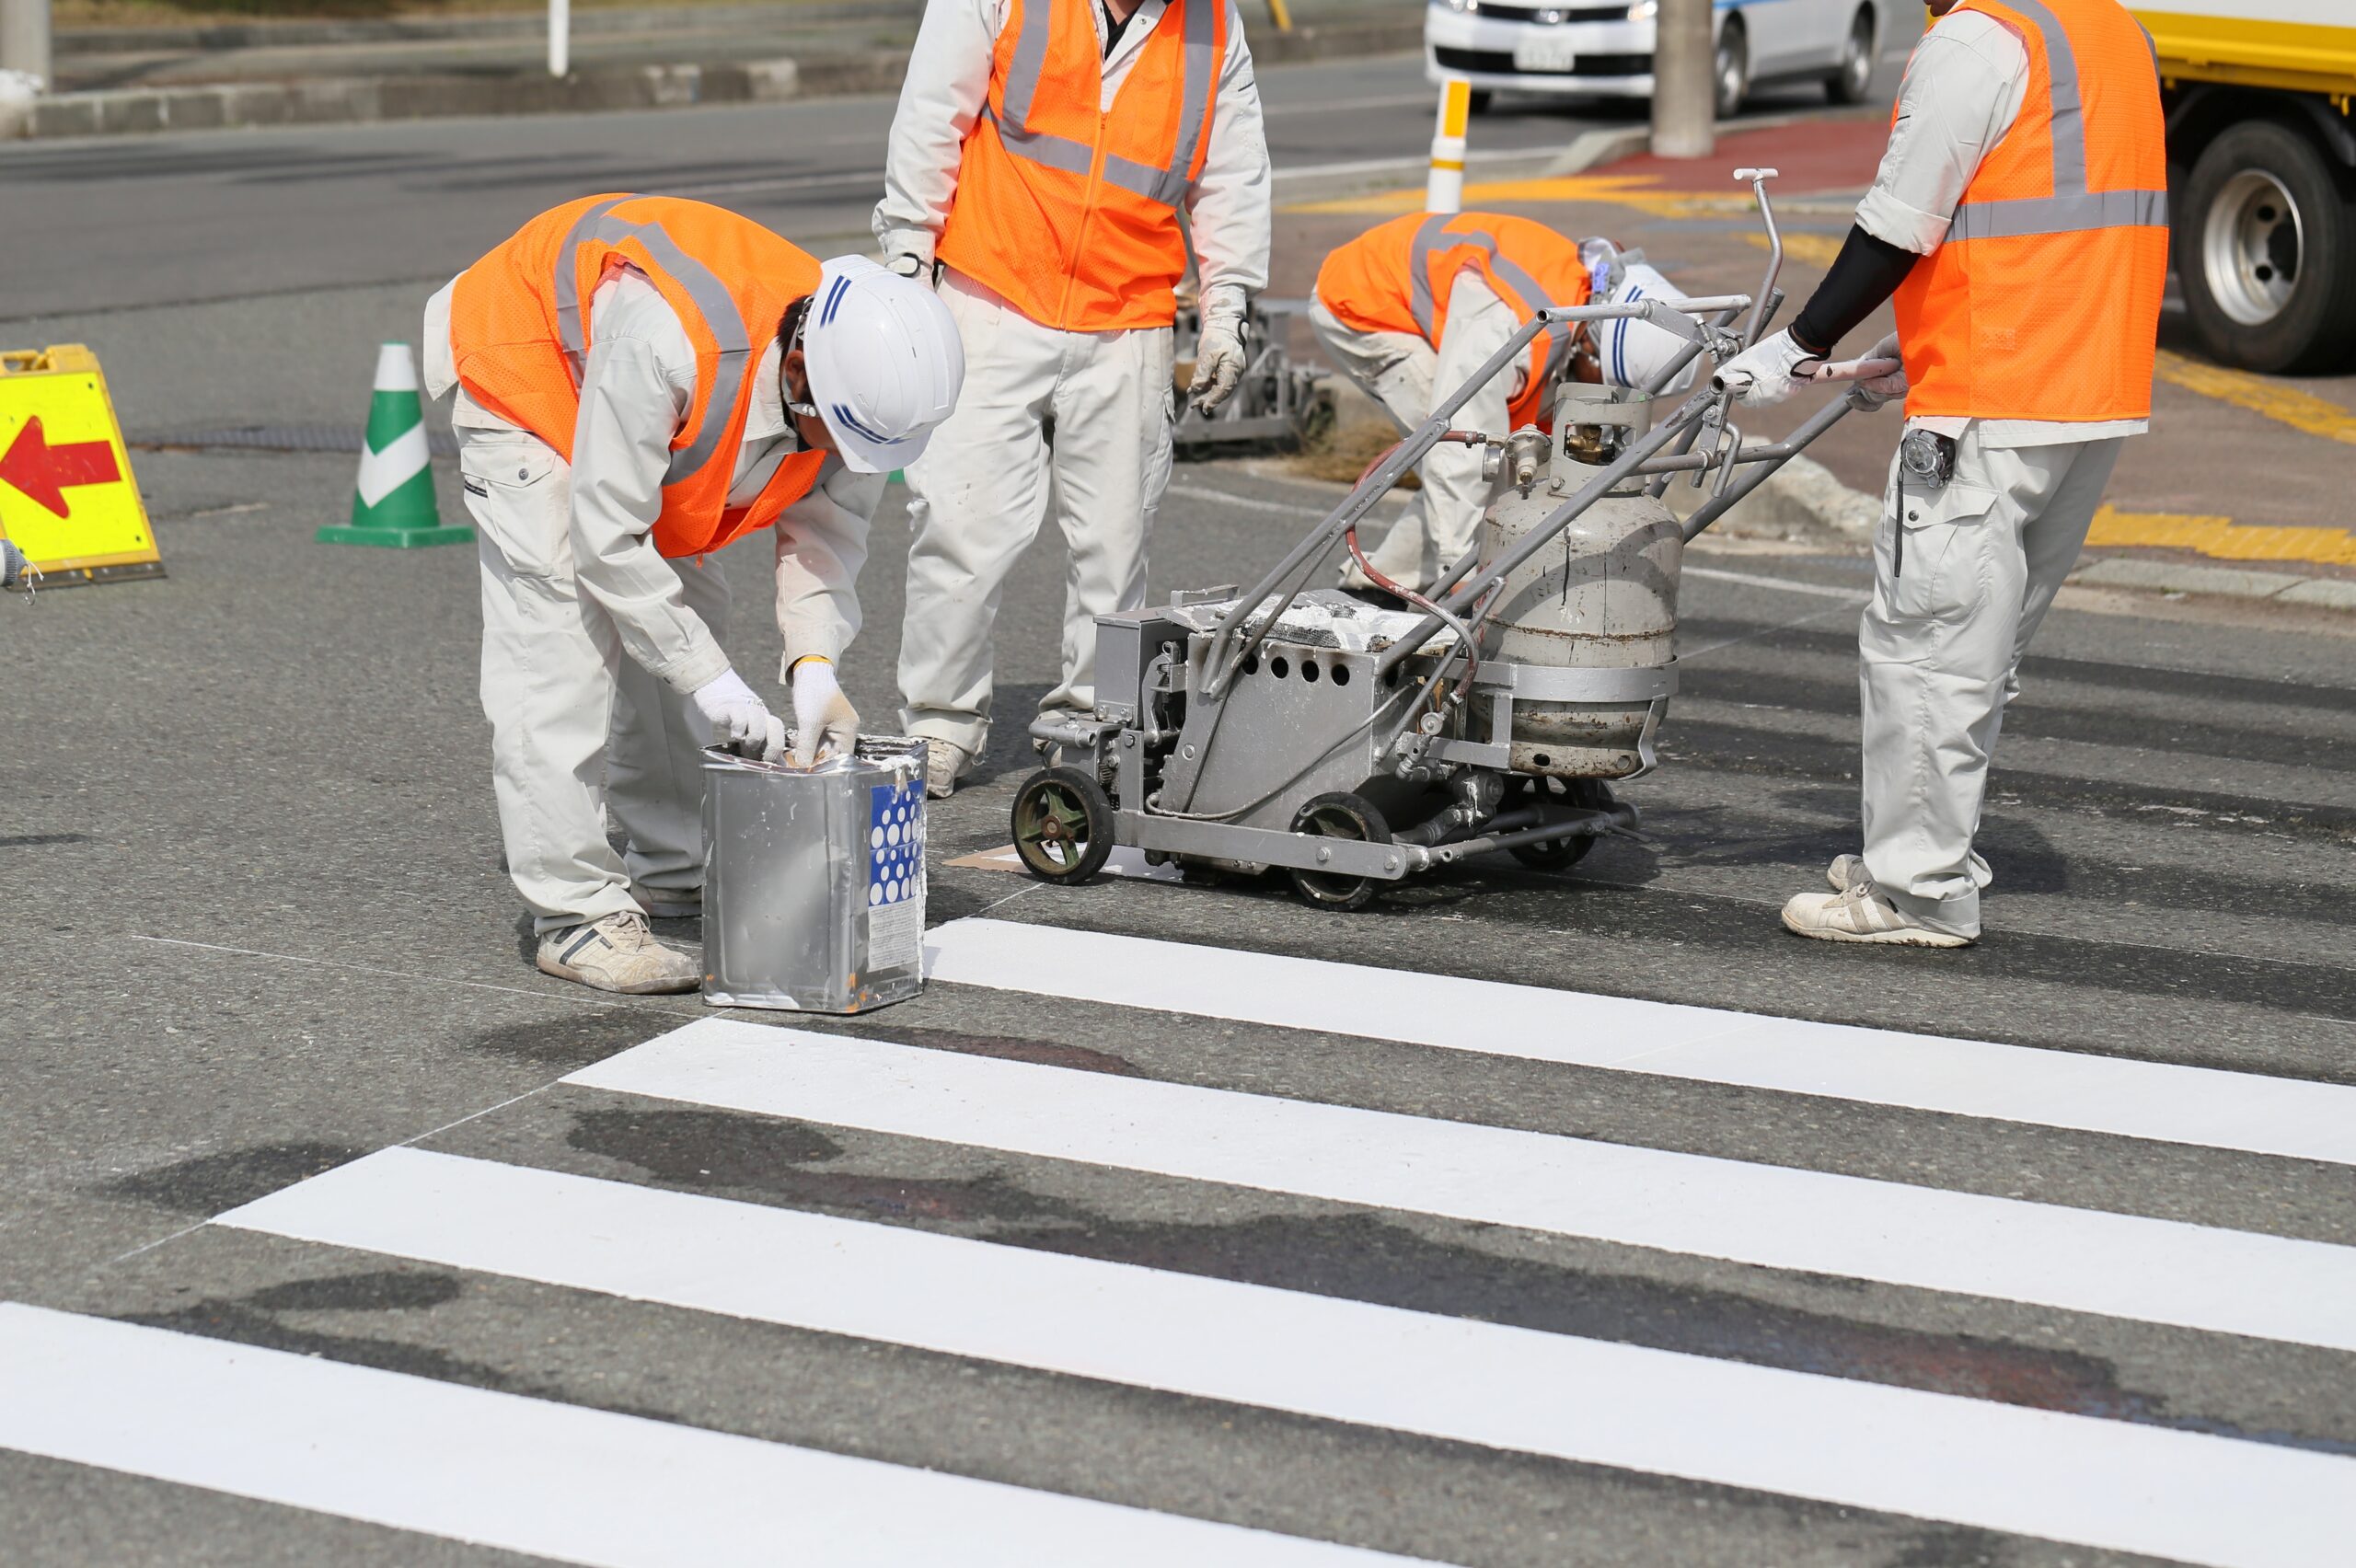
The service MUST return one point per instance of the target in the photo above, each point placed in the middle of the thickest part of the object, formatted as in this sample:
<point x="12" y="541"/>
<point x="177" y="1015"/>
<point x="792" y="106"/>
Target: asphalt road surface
<point x="1526" y="1219"/>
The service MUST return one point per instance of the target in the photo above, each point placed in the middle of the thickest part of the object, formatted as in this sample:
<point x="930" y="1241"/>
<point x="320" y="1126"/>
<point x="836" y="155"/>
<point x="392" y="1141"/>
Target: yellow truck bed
<point x="2300" y="45"/>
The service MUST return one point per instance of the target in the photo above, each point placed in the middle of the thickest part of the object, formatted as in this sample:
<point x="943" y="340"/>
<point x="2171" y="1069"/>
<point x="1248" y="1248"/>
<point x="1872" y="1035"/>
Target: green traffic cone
<point x="393" y="506"/>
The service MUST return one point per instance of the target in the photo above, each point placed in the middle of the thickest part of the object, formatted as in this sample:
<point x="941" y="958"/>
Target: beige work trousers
<point x="1963" y="575"/>
<point x="987" y="481"/>
<point x="578" y="729"/>
<point x="1407" y="376"/>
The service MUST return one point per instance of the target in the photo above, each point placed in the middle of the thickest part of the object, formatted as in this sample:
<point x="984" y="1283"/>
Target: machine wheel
<point x="2265" y="246"/>
<point x="1063" y="825"/>
<point x="1854" y="76"/>
<point x="1589" y="794"/>
<point x="1343" y="815"/>
<point x="1730" y="70"/>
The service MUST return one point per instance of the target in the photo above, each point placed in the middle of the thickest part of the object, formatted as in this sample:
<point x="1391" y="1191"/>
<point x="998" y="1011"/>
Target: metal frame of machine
<point x="1277" y="403"/>
<point x="1352" y="746"/>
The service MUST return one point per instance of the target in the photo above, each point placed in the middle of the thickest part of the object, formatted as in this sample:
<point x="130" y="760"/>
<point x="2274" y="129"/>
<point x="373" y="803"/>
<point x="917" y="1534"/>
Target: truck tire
<point x="2265" y="252"/>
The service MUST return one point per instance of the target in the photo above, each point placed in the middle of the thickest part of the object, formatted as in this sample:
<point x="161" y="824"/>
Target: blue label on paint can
<point x="895" y="844"/>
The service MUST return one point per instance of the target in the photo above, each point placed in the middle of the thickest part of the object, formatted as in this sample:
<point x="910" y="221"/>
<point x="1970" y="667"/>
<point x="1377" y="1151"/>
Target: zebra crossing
<point x="1453" y="1380"/>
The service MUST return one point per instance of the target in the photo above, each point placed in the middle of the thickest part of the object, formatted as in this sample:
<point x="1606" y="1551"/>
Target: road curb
<point x="343" y="99"/>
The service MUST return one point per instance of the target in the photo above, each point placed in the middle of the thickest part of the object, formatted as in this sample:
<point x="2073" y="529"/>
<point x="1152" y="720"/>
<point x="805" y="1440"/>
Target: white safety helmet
<point x="1633" y="352"/>
<point x="884" y="361"/>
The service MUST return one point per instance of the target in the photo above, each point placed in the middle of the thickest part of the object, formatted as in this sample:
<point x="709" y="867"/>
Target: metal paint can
<point x="814" y="882"/>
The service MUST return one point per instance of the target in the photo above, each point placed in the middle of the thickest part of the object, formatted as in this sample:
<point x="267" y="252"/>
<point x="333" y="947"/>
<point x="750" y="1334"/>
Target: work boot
<point x="617" y="953"/>
<point x="1847" y="868"/>
<point x="1857" y="914"/>
<point x="670" y="903"/>
<point x="945" y="765"/>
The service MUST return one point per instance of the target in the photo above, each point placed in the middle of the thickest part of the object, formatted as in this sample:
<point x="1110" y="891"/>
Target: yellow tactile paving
<point x="2220" y="537"/>
<point x="2300" y="410"/>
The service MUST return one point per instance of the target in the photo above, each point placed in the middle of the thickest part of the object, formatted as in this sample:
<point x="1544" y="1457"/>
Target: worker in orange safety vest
<point x="1413" y="308"/>
<point x="1048" y="161"/>
<point x="641" y="381"/>
<point x="2020" y="220"/>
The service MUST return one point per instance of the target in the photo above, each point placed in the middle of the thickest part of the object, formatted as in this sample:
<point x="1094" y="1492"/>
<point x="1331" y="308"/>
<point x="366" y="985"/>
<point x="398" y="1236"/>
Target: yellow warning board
<point x="66" y="494"/>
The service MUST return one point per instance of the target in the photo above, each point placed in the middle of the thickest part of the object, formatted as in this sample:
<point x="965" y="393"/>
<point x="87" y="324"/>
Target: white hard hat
<point x="884" y="361"/>
<point x="1633" y="352"/>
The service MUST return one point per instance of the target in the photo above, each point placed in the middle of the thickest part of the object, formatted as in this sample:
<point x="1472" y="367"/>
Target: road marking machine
<point x="1353" y="744"/>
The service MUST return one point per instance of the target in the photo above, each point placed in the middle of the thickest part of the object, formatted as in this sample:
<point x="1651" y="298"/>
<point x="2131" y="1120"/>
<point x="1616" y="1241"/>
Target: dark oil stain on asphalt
<point x="574" y="1041"/>
<point x="1361" y="1257"/>
<point x="209" y="1183"/>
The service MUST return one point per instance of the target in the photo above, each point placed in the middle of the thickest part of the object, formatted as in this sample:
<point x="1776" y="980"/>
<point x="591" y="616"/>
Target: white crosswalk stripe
<point x="1965" y="1077"/>
<point x="2079" y="1260"/>
<point x="2071" y="1477"/>
<point x="579" y="1485"/>
<point x="591" y="1485"/>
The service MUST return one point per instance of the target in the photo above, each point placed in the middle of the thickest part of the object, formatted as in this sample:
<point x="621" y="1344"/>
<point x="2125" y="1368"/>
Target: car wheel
<point x="2265" y="246"/>
<point x="1482" y="101"/>
<point x="1730" y="70"/>
<point x="1854" y="76"/>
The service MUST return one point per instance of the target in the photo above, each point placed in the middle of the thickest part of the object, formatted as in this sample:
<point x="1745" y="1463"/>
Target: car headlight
<point x="1458" y="6"/>
<point x="1643" y="10"/>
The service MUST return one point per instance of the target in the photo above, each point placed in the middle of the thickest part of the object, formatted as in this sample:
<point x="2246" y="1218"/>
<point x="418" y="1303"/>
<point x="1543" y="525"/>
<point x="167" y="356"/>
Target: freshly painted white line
<point x="2080" y="1259"/>
<point x="2072" y="1478"/>
<point x="1787" y="584"/>
<point x="529" y="1475"/>
<point x="1877" y="1067"/>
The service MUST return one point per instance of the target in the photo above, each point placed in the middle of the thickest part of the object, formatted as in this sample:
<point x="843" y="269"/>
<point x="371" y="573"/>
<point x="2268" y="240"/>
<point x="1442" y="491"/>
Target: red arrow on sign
<point x="43" y="471"/>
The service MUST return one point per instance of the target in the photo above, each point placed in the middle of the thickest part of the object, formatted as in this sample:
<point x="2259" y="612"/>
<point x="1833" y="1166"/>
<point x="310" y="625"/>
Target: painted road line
<point x="2207" y="1106"/>
<point x="1857" y="595"/>
<point x="2285" y="405"/>
<point x="2079" y="1260"/>
<point x="2072" y="1478"/>
<point x="530" y="1475"/>
<point x="2221" y="539"/>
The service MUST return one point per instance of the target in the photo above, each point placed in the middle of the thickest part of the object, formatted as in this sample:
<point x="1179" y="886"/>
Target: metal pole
<point x="560" y="38"/>
<point x="1444" y="192"/>
<point x="24" y="38"/>
<point x="1684" y="114"/>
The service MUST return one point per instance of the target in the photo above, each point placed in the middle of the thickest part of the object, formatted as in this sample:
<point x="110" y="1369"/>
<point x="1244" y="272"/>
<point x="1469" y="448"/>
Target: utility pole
<point x="1684" y="113"/>
<point x="24" y="38"/>
<point x="560" y="38"/>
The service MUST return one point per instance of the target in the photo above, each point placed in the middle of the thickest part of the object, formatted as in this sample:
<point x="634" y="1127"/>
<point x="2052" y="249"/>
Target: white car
<point x="1585" y="49"/>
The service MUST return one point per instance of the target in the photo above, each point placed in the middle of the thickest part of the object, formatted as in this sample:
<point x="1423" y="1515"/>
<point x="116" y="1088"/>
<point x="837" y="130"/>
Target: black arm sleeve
<point x="1866" y="272"/>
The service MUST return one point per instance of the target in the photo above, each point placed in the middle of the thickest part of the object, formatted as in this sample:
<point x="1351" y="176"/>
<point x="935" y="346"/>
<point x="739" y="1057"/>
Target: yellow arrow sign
<point x="67" y="498"/>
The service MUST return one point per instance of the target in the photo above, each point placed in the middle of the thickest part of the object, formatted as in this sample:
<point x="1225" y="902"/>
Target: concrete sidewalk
<point x="318" y="72"/>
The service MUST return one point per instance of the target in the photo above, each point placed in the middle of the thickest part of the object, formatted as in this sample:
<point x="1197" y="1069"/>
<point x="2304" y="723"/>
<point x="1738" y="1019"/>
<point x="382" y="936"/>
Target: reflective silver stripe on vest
<point x="1168" y="186"/>
<point x="1433" y="233"/>
<point x="2070" y="209"/>
<point x="711" y="298"/>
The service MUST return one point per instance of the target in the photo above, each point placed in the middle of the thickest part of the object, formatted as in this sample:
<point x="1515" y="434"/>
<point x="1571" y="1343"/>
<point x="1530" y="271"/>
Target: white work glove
<point x="825" y="723"/>
<point x="1767" y="371"/>
<point x="739" y="720"/>
<point x="1219" y="362"/>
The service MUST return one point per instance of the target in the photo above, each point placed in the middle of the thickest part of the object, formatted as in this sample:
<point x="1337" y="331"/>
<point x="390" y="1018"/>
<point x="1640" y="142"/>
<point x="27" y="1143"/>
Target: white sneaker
<point x="945" y="763"/>
<point x="617" y="953"/>
<point x="1856" y="915"/>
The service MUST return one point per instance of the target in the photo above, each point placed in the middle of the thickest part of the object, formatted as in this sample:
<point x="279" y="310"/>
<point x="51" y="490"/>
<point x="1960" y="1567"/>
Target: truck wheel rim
<point x="2252" y="247"/>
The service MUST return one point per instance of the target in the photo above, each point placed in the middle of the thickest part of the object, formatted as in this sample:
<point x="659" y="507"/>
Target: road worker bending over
<point x="1041" y="159"/>
<point x="1410" y="309"/>
<point x="643" y="380"/>
<point x="2020" y="217"/>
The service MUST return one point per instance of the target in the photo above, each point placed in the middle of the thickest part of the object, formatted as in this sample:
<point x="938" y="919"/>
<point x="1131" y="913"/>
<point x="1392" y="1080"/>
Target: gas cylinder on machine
<point x="1602" y="596"/>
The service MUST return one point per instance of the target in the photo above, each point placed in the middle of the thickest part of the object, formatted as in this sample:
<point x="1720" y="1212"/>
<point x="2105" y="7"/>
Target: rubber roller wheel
<point x="1562" y="854"/>
<point x="1341" y="815"/>
<point x="1063" y="825"/>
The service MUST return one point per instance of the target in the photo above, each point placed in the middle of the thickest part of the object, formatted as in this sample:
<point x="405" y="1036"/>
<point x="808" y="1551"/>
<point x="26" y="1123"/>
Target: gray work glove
<point x="1219" y="362"/>
<point x="825" y="723"/>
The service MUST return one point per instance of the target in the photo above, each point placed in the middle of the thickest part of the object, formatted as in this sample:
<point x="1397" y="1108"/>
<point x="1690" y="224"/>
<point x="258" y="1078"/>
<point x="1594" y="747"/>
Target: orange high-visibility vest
<point x="1070" y="211"/>
<point x="1399" y="276"/>
<point x="521" y="327"/>
<point x="2044" y="302"/>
